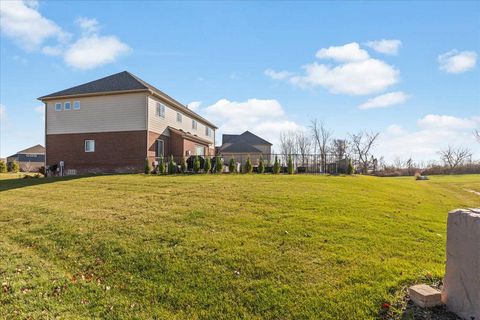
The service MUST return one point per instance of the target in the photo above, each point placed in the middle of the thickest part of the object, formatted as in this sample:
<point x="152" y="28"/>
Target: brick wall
<point x="115" y="152"/>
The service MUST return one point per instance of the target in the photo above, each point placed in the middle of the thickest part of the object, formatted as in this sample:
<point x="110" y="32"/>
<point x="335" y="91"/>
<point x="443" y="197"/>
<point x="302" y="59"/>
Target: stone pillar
<point x="461" y="286"/>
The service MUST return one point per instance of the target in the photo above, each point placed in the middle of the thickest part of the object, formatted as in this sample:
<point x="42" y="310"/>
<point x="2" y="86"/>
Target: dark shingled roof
<point x="35" y="149"/>
<point x="117" y="82"/>
<point x="240" y="147"/>
<point x="246" y="137"/>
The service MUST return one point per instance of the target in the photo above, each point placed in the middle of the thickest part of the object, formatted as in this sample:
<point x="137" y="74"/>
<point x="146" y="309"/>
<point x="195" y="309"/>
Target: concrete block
<point x="425" y="296"/>
<point x="461" y="286"/>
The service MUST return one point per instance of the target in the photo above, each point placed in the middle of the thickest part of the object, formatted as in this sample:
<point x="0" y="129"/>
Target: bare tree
<point x="362" y="143"/>
<point x="453" y="157"/>
<point x="339" y="148"/>
<point x="321" y="138"/>
<point x="477" y="135"/>
<point x="304" y="144"/>
<point x="287" y="144"/>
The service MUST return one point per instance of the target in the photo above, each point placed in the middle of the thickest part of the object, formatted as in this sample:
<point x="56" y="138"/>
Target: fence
<point x="302" y="163"/>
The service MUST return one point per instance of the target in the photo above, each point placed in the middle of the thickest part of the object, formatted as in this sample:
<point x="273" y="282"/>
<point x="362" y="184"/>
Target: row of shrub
<point x="171" y="166"/>
<point x="11" y="166"/>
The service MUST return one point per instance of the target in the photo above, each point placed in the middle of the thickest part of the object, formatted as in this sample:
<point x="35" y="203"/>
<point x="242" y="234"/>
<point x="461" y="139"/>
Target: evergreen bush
<point x="350" y="167"/>
<point x="148" y="168"/>
<point x="261" y="166"/>
<point x="290" y="167"/>
<point x="219" y="164"/>
<point x="172" y="166"/>
<point x="276" y="166"/>
<point x="3" y="166"/>
<point x="13" y="166"/>
<point x="161" y="166"/>
<point x="248" y="165"/>
<point x="232" y="166"/>
<point x="208" y="165"/>
<point x="196" y="164"/>
<point x="183" y="165"/>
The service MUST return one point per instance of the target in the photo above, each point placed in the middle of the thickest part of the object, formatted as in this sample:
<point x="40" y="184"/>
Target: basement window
<point x="76" y="105"/>
<point x="89" y="145"/>
<point x="58" y="107"/>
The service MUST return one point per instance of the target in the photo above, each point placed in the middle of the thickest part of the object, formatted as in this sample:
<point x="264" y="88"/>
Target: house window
<point x="160" y="111"/>
<point x="76" y="105"/>
<point x="89" y="145"/>
<point x="58" y="107"/>
<point x="199" y="150"/>
<point x="67" y="106"/>
<point x="179" y="117"/>
<point x="208" y="132"/>
<point x="159" y="148"/>
<point x="194" y="125"/>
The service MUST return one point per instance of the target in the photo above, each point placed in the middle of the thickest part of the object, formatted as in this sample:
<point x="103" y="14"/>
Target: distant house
<point x="241" y="146"/>
<point x="30" y="159"/>
<point x="113" y="124"/>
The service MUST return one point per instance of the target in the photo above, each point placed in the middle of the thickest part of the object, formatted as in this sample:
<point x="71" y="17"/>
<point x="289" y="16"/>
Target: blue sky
<point x="408" y="70"/>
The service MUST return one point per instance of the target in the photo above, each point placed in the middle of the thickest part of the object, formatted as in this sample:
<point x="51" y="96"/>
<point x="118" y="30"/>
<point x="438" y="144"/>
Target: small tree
<point x="350" y="167"/>
<point x="172" y="166"/>
<point x="183" y="165"/>
<point x="148" y="168"/>
<point x="196" y="164"/>
<point x="276" y="166"/>
<point x="248" y="165"/>
<point x="3" y="166"/>
<point x="232" y="166"/>
<point x="13" y="167"/>
<point x="161" y="166"/>
<point x="290" y="167"/>
<point x="208" y="165"/>
<point x="261" y="166"/>
<point x="219" y="164"/>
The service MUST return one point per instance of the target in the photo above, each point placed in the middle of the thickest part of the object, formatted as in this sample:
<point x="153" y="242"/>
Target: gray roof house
<point x="30" y="159"/>
<point x="241" y="146"/>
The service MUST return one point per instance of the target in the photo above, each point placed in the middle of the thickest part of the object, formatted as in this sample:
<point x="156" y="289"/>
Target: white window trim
<point x="156" y="147"/>
<point x="58" y="104"/>
<point x="194" y="124"/>
<point x="158" y="109"/>
<point x="85" y="147"/>
<point x="179" y="117"/>
<point x="65" y="105"/>
<point x="74" y="103"/>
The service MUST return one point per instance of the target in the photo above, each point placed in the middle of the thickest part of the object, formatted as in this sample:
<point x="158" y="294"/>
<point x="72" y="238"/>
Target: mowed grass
<point x="220" y="247"/>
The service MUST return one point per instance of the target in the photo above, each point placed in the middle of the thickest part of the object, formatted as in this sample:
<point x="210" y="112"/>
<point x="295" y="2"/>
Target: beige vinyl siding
<point x="103" y="113"/>
<point x="159" y="124"/>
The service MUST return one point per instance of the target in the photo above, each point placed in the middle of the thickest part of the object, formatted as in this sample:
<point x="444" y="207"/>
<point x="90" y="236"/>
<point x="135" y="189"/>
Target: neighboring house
<point x="113" y="124"/>
<point x="241" y="146"/>
<point x="30" y="159"/>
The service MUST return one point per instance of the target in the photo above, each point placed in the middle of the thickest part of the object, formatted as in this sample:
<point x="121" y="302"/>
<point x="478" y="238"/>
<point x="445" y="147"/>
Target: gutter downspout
<point x="146" y="126"/>
<point x="45" y="139"/>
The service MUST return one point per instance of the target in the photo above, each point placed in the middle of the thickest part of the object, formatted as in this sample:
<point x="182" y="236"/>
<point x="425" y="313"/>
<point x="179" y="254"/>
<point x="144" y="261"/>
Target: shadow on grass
<point x="9" y="184"/>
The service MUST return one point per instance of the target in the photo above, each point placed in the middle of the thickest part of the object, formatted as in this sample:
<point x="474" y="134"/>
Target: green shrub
<point x="232" y="166"/>
<point x="208" y="165"/>
<point x="261" y="166"/>
<point x="290" y="167"/>
<point x="13" y="166"/>
<point x="248" y="166"/>
<point x="183" y="165"/>
<point x="196" y="164"/>
<point x="148" y="168"/>
<point x="218" y="164"/>
<point x="276" y="166"/>
<point x="161" y="166"/>
<point x="3" y="166"/>
<point x="350" y="167"/>
<point x="172" y="166"/>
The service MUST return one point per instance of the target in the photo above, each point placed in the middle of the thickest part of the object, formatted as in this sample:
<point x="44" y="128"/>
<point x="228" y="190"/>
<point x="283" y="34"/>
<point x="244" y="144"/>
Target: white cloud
<point x="88" y="25"/>
<point x="277" y="75"/>
<point x="434" y="132"/>
<point x="385" y="100"/>
<point x="390" y="47"/>
<point x="93" y="51"/>
<point x="40" y="110"/>
<point x="347" y="52"/>
<point x="354" y="78"/>
<point x="3" y="112"/>
<point x="457" y="62"/>
<point x="20" y="21"/>
<point x="194" y="105"/>
<point x="433" y="121"/>
<point x="264" y="117"/>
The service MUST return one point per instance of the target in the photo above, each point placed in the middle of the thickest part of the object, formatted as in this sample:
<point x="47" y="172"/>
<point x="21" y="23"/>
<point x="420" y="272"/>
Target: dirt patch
<point x="472" y="191"/>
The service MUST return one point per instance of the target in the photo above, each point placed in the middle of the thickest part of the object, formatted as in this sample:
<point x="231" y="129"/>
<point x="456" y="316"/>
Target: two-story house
<point x="30" y="159"/>
<point x="113" y="124"/>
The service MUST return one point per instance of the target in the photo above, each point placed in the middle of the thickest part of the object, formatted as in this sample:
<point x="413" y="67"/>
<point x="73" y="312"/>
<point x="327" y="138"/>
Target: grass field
<point x="221" y="247"/>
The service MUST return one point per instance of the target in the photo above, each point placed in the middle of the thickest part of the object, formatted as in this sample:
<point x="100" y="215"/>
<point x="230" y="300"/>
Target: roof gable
<point x="123" y="81"/>
<point x="240" y="147"/>
<point x="251" y="138"/>
<point x="35" y="149"/>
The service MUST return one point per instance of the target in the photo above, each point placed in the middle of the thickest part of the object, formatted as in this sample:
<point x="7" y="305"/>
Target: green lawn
<point x="220" y="247"/>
